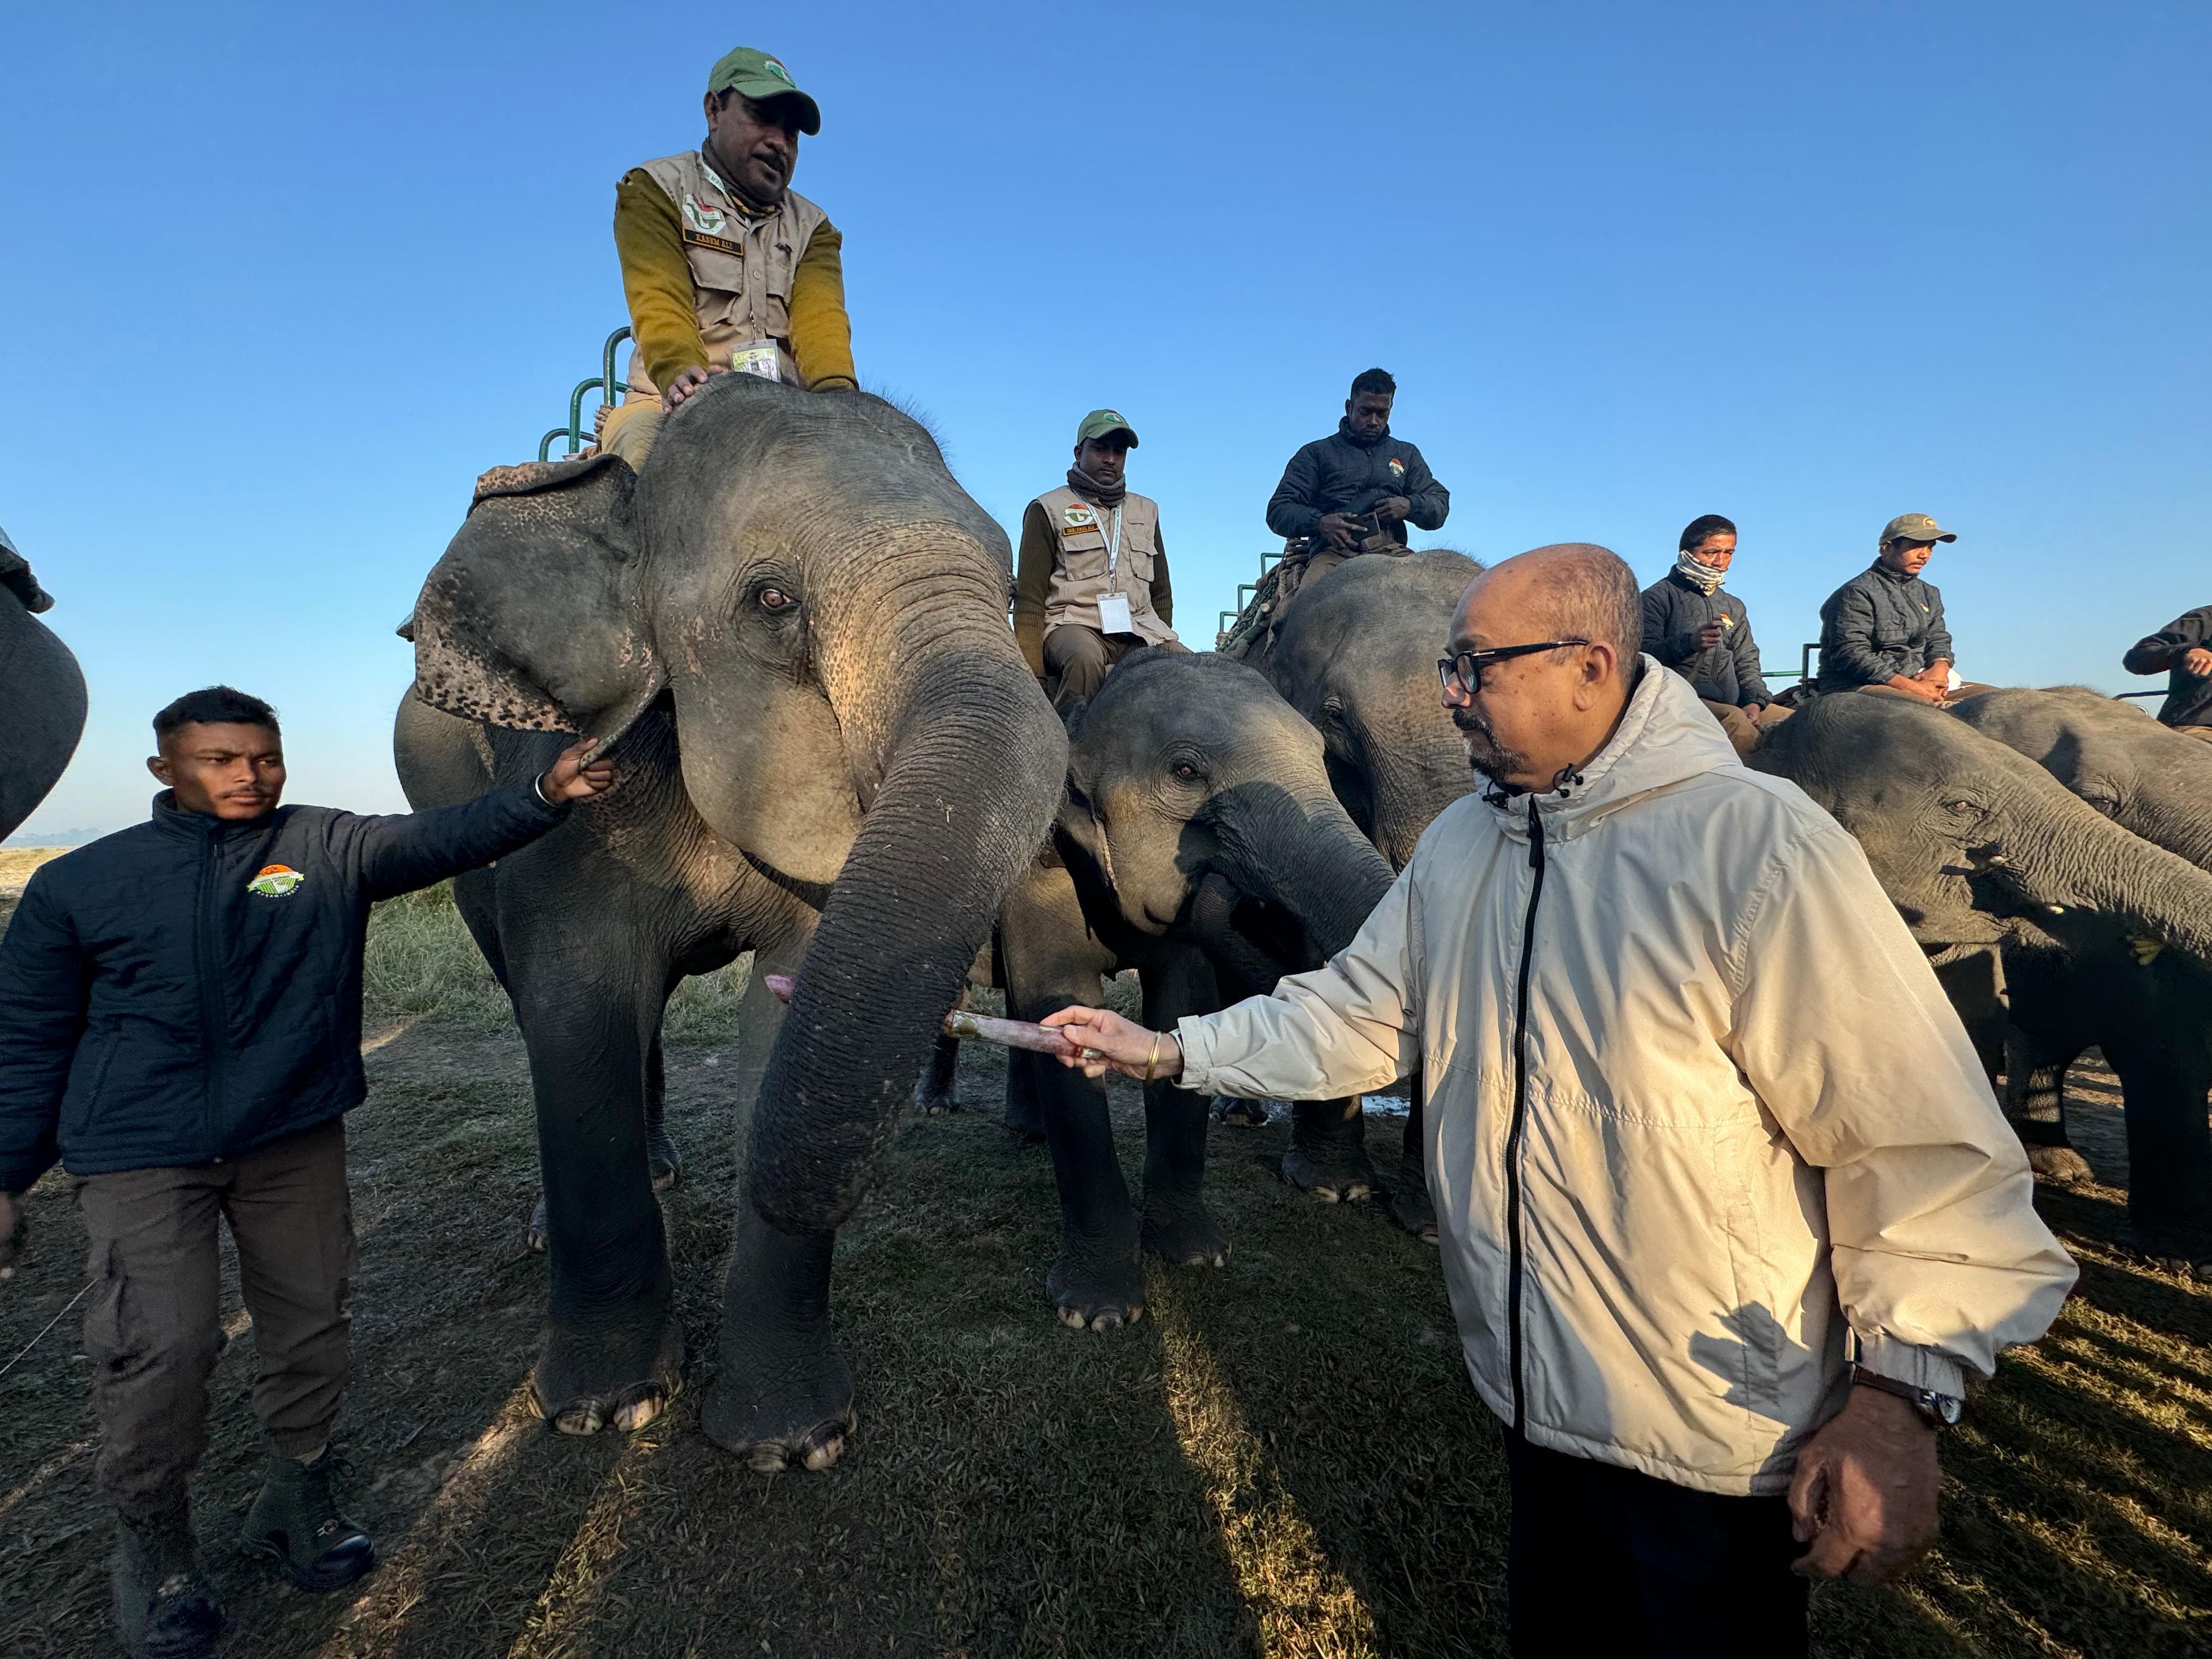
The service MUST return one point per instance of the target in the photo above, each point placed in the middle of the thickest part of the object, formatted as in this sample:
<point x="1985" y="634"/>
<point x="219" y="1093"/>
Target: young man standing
<point x="1705" y="635"/>
<point x="184" y="1034"/>
<point x="1090" y="580"/>
<point x="1334" y="484"/>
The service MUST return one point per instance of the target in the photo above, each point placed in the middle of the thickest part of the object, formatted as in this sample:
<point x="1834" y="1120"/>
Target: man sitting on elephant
<point x="1356" y="491"/>
<point x="1705" y="635"/>
<point x="1883" y="630"/>
<point x="1090" y="580"/>
<point x="1720" y="1267"/>
<point x="725" y="265"/>
<point x="2178" y="651"/>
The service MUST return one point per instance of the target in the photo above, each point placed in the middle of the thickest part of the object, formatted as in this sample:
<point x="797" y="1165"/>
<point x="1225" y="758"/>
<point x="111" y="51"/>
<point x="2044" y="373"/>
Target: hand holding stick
<point x="1007" y="1033"/>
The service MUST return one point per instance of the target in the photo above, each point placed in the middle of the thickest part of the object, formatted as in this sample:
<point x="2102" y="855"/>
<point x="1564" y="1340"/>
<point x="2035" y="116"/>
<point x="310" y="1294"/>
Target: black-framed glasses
<point x="1463" y="673"/>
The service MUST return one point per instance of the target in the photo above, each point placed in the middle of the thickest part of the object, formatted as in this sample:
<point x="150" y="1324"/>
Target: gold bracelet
<point x="1153" y="1059"/>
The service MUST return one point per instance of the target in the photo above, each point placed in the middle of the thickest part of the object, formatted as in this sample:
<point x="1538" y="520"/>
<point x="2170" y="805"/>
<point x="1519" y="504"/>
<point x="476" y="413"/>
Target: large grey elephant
<point x="42" y="689"/>
<point x="1200" y="844"/>
<point x="791" y="628"/>
<point x="1978" y="846"/>
<point x="1355" y="654"/>
<point x="2083" y="981"/>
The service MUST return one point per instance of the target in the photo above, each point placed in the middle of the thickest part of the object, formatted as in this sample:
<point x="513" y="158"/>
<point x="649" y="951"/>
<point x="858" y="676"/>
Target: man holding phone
<point x="1356" y="491"/>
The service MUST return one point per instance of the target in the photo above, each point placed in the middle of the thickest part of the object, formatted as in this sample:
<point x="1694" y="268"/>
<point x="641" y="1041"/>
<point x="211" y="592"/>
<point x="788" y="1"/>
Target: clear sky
<point x="279" y="280"/>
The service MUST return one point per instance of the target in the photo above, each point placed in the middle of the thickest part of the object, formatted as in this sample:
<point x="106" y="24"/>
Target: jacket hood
<point x="1665" y="738"/>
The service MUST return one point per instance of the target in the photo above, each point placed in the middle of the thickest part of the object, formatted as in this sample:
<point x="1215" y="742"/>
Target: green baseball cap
<point x="1100" y="422"/>
<point x="1914" y="527"/>
<point x="757" y="75"/>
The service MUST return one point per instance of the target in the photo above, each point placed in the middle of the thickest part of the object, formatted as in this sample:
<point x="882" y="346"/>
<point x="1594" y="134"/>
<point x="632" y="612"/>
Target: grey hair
<point x="1593" y="595"/>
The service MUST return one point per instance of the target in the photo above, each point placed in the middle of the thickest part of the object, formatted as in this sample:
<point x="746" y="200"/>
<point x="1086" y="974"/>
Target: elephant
<point x="1355" y="654"/>
<point x="1199" y="843"/>
<point x="42" y="689"/>
<point x="2086" y="983"/>
<point x="1979" y="847"/>
<point x="788" y="631"/>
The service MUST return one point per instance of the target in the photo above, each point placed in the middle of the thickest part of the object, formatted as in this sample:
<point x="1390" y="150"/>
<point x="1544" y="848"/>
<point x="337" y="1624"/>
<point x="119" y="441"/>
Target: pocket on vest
<point x="1083" y="554"/>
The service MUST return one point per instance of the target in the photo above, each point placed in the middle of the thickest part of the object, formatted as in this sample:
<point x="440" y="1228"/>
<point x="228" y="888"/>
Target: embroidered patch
<point x="719" y="244"/>
<point x="697" y="216"/>
<point x="1077" y="517"/>
<point x="275" y="881"/>
<point x="1397" y="467"/>
<point x="776" y="70"/>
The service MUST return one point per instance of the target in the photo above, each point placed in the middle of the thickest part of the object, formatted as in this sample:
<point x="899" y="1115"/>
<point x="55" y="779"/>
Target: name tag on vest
<point x="1113" y="614"/>
<point x="719" y="244"/>
<point x="755" y="357"/>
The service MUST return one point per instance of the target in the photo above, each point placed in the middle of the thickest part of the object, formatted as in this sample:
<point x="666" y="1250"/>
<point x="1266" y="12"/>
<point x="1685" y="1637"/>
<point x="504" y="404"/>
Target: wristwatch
<point x="1937" y="1410"/>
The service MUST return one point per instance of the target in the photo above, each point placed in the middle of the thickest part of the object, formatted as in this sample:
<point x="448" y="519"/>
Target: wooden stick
<point x="1007" y="1033"/>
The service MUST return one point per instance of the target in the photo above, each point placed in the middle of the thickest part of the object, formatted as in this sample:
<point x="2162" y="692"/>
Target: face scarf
<point x="1084" y="485"/>
<point x="1703" y="577"/>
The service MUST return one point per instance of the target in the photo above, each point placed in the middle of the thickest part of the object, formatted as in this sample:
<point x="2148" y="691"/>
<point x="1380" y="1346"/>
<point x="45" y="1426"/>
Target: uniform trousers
<point x="1606" y="1560"/>
<point x="154" y="1329"/>
<point x="1743" y="725"/>
<point x="1077" y="659"/>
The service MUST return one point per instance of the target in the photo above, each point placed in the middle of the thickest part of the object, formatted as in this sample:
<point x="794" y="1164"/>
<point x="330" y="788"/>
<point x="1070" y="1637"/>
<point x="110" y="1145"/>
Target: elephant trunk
<point x="1302" y="852"/>
<point x="973" y="772"/>
<point x="1251" y="970"/>
<point x="2075" y="856"/>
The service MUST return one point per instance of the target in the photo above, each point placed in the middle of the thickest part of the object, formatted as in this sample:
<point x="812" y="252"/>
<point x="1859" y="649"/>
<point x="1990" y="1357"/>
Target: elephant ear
<point x="534" y="617"/>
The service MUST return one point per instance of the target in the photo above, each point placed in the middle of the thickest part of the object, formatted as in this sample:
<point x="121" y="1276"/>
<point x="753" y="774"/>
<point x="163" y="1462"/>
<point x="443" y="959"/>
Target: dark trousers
<point x="1077" y="659"/>
<point x="154" y="1329"/>
<point x="1606" y="1560"/>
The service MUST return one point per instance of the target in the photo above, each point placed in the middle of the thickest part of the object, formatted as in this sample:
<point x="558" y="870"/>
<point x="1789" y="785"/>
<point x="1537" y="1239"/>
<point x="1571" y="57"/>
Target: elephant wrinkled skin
<point x="791" y="627"/>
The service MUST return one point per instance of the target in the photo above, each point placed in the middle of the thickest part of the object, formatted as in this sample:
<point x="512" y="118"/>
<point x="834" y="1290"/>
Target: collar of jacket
<point x="172" y="819"/>
<point x="1359" y="439"/>
<point x="1902" y="578"/>
<point x="749" y="209"/>
<point x="1665" y="738"/>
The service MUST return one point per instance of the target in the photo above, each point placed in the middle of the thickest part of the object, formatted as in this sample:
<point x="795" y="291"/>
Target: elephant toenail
<point x="768" y="1458"/>
<point x="635" y="1415"/>
<point x="1108" y="1321"/>
<point x="1072" y="1317"/>
<point x="822" y="1457"/>
<point x="587" y="1418"/>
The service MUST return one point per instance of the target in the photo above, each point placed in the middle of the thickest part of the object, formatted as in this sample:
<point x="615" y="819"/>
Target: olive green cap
<point x="1100" y="422"/>
<point x="1914" y="527"/>
<point x="757" y="75"/>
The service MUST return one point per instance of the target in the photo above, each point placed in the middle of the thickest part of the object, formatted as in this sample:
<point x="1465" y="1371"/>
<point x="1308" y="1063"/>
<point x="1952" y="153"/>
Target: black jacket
<point x="1879" y="625"/>
<point x="2188" y="698"/>
<point x="1674" y="609"/>
<point x="189" y="988"/>
<point x="1341" y="474"/>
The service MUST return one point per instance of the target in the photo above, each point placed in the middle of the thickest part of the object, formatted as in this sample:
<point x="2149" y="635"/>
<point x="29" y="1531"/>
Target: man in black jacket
<point x="1705" y="635"/>
<point x="1334" y="485"/>
<point x="2179" y="651"/>
<point x="183" y="1034"/>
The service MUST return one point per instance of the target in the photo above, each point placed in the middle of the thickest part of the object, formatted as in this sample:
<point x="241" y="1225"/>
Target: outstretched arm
<point x="2178" y="641"/>
<point x="394" y="855"/>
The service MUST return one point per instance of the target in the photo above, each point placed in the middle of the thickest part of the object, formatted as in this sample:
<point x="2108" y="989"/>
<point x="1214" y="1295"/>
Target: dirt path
<point x="1282" y="1457"/>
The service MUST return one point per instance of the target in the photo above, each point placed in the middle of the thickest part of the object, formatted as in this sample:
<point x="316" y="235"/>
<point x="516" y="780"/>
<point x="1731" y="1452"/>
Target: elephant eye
<point x="1186" y="771"/>
<point x="776" y="601"/>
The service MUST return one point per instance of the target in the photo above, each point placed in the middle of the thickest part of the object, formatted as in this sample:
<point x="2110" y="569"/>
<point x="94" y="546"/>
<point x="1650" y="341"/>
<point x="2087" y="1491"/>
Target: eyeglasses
<point x="1463" y="673"/>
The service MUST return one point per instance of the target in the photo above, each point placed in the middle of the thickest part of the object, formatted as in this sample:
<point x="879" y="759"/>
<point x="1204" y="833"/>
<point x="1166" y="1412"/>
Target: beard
<point x="1485" y="753"/>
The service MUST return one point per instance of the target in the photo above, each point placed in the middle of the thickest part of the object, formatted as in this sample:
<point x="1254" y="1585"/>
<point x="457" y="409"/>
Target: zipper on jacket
<point x="213" y="1017"/>
<point x="1520" y="1113"/>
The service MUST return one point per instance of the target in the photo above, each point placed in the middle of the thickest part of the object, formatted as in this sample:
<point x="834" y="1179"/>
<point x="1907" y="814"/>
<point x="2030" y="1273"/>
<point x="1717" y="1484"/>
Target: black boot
<point x="164" y="1607"/>
<point x="295" y="1524"/>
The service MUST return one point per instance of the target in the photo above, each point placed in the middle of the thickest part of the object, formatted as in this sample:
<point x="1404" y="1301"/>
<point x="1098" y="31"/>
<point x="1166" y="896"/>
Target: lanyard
<point x="1114" y="552"/>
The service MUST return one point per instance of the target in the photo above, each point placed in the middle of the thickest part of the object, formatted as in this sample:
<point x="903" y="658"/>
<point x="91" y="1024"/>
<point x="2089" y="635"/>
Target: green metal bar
<point x="545" y="443"/>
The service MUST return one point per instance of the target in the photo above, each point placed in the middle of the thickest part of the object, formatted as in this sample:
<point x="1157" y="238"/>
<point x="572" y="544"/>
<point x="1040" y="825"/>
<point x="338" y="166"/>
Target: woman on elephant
<point x="1720" y="1269"/>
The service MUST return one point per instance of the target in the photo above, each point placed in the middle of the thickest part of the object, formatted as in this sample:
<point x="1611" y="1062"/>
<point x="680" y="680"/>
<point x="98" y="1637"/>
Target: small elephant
<point x="1199" y="843"/>
<point x="42" y="689"/>
<point x="790" y="628"/>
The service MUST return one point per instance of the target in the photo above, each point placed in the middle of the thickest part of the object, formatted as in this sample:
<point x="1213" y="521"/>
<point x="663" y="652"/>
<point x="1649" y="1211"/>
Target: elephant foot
<point x="1096" y="1287"/>
<point x="1410" y="1207"/>
<point x="1240" y="1113"/>
<point x="2062" y="1165"/>
<point x="932" y="1104"/>
<point x="1334" y="1175"/>
<point x="583" y="1382"/>
<point x="2188" y="1253"/>
<point x="1186" y="1233"/>
<point x="781" y="1401"/>
<point x="662" y="1161"/>
<point x="934" y="1094"/>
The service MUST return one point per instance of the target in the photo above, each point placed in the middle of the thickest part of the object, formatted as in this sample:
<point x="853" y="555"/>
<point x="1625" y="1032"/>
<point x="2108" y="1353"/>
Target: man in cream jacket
<point x="1728" y="1210"/>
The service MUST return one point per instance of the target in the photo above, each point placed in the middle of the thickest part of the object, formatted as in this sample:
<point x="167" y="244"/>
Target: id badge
<point x="755" y="357"/>
<point x="1113" y="614"/>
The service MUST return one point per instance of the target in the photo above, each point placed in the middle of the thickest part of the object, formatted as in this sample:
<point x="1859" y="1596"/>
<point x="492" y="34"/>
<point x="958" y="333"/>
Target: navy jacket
<point x="1674" y="609"/>
<point x="189" y="988"/>
<point x="1879" y="625"/>
<point x="1342" y="474"/>
<point x="2188" y="698"/>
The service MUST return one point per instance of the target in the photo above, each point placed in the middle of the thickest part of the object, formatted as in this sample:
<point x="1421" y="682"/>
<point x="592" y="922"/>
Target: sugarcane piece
<point x="985" y="1028"/>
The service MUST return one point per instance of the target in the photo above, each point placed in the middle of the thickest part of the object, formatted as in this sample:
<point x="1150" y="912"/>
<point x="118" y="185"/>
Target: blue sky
<point x="280" y="280"/>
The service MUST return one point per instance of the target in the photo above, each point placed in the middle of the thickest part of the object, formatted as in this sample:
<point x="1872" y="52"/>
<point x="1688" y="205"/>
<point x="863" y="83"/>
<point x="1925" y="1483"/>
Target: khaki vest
<point x="742" y="267"/>
<point x="1080" y="573"/>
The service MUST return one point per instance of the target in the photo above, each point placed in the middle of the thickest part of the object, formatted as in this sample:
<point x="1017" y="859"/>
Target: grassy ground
<point x="1284" y="1458"/>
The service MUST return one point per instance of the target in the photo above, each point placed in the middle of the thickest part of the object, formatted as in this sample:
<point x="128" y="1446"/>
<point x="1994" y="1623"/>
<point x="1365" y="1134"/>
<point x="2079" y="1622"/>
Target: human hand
<point x="1111" y="1043"/>
<point x="572" y="778"/>
<point x="684" y="385"/>
<point x="1914" y="686"/>
<point x="1864" y="1496"/>
<point x="2198" y="661"/>
<point x="1711" y="636"/>
<point x="14" y="1233"/>
<point x="1337" y="530"/>
<point x="1393" y="507"/>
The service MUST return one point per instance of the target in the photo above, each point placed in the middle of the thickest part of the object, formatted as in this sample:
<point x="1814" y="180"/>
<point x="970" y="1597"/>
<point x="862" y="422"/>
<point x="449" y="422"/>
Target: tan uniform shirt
<point x="1104" y="551"/>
